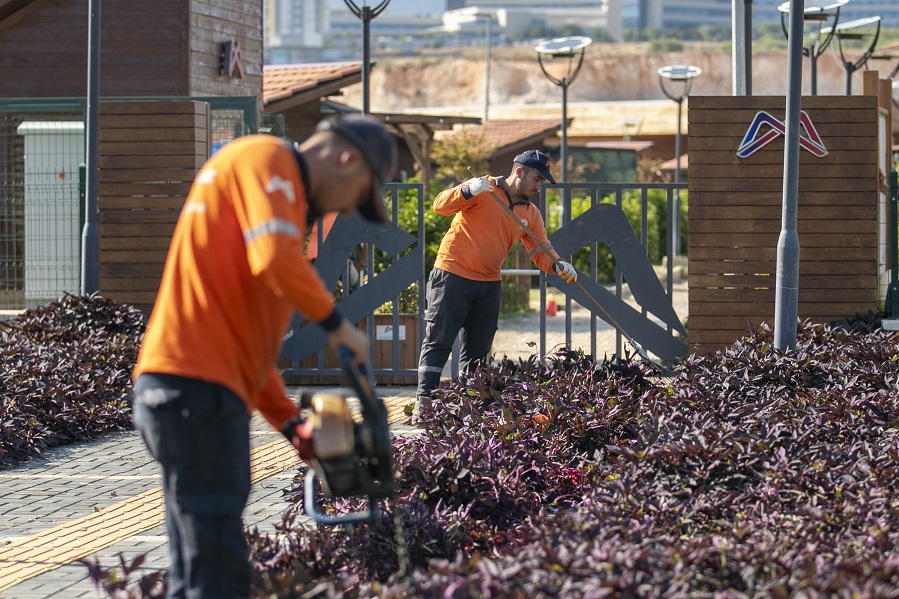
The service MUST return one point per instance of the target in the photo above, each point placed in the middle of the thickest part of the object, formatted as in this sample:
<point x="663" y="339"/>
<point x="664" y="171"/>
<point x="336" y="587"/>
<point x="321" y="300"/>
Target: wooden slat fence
<point x="149" y="153"/>
<point x="735" y="208"/>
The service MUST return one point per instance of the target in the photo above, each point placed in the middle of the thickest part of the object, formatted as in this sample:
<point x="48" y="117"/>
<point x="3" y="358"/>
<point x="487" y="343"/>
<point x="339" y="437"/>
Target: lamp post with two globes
<point x="670" y="77"/>
<point x="816" y="15"/>
<point x="860" y="35"/>
<point x="568" y="51"/>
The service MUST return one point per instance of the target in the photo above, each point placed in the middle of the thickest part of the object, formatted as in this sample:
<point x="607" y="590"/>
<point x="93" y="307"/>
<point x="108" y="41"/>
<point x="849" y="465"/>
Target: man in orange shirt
<point x="464" y="286"/>
<point x="235" y="273"/>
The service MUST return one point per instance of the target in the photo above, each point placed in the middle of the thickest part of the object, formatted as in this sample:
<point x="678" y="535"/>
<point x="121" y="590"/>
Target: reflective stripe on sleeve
<point x="270" y="227"/>
<point x="538" y="250"/>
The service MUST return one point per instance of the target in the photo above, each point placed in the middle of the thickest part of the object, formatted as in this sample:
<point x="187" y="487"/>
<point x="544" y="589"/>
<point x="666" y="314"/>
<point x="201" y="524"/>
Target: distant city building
<point x="327" y="30"/>
<point x="640" y="15"/>
<point x="294" y="30"/>
<point x="887" y="10"/>
<point x="321" y="30"/>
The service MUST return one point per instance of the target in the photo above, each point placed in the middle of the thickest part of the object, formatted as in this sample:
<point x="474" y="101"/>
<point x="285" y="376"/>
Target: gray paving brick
<point x="70" y="482"/>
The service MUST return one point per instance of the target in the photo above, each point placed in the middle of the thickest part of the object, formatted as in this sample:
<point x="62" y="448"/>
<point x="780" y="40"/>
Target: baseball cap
<point x="379" y="151"/>
<point x="538" y="160"/>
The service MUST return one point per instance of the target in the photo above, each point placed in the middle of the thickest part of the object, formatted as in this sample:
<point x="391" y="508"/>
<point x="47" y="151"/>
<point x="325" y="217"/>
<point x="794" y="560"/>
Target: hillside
<point x="610" y="72"/>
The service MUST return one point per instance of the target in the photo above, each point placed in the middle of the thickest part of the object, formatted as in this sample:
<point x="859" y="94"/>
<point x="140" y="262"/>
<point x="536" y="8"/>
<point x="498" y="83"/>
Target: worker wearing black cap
<point x="235" y="273"/>
<point x="464" y="287"/>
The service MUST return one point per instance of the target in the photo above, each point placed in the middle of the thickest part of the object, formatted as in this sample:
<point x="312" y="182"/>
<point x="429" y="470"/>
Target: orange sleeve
<point x="538" y="256"/>
<point x="450" y="201"/>
<point x="273" y="403"/>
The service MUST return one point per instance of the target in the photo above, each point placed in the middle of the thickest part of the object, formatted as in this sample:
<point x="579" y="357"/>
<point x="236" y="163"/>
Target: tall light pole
<point x="854" y="33"/>
<point x="90" y="234"/>
<point x="489" y="42"/>
<point x="816" y="13"/>
<point x="569" y="51"/>
<point x="741" y="53"/>
<point x="366" y="14"/>
<point x="680" y="77"/>
<point x="786" y="293"/>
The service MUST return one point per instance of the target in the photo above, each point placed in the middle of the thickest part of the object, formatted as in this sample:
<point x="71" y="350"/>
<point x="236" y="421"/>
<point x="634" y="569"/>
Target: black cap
<point x="538" y="160"/>
<point x="378" y="149"/>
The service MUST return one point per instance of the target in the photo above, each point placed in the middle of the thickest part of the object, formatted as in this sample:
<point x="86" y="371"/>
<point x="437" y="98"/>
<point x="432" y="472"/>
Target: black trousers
<point x="199" y="432"/>
<point x="456" y="304"/>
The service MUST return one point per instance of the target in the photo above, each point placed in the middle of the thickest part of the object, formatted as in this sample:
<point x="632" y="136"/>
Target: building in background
<point x="298" y="31"/>
<point x="294" y="30"/>
<point x="887" y="10"/>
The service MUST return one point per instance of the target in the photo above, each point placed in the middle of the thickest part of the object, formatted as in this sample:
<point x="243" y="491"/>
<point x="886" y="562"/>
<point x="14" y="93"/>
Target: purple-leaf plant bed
<point x="751" y="473"/>
<point x="66" y="374"/>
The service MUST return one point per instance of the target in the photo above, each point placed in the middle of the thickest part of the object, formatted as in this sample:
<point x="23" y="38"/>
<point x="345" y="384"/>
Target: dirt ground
<point x="516" y="333"/>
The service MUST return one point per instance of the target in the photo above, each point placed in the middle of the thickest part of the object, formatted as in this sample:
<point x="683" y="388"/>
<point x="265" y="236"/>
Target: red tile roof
<point x="670" y="165"/>
<point x="501" y="134"/>
<point x="280" y="82"/>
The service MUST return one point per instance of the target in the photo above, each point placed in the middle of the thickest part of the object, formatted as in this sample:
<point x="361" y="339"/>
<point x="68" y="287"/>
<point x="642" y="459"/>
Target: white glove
<point x="479" y="185"/>
<point x="567" y="271"/>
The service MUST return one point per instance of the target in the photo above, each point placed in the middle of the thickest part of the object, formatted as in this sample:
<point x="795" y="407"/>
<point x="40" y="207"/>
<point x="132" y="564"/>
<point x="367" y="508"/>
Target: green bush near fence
<point x="656" y="225"/>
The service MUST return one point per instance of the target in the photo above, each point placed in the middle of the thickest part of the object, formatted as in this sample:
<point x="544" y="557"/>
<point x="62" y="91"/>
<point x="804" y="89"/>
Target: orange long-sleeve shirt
<point x="482" y="233"/>
<point x="234" y="273"/>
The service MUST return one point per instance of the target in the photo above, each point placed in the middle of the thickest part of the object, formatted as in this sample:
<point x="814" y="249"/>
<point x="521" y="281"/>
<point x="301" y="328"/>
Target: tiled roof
<point x="501" y="134"/>
<point x="670" y="165"/>
<point x="636" y="146"/>
<point x="645" y="118"/>
<point x="280" y="82"/>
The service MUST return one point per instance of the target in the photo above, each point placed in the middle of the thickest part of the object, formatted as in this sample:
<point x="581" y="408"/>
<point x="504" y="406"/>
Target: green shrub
<point x="656" y="234"/>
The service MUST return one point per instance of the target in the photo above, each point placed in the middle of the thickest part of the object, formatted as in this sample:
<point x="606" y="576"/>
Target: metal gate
<point x="401" y="272"/>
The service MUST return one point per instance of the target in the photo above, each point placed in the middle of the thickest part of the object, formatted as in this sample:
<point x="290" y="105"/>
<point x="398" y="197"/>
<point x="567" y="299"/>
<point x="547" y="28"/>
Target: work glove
<point x="298" y="431"/>
<point x="566" y="271"/>
<point x="479" y="185"/>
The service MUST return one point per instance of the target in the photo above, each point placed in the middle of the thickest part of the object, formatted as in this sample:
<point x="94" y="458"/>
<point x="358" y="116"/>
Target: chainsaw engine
<point x="353" y="457"/>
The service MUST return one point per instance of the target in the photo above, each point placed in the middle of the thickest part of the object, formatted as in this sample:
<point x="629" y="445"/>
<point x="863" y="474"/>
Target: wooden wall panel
<point x="735" y="207"/>
<point x="148" y="49"/>
<point x="143" y="50"/>
<point x="149" y="154"/>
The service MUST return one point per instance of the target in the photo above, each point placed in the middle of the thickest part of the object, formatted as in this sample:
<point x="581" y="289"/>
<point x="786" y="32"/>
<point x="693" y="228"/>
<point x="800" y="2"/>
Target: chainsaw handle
<point x="372" y="407"/>
<point x="312" y="508"/>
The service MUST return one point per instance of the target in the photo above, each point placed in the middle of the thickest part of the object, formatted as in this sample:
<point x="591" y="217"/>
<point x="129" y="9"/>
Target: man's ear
<point x="350" y="159"/>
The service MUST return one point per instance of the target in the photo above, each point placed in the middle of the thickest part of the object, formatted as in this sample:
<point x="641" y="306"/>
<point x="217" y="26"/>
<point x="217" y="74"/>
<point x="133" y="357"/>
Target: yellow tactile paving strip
<point x="47" y="550"/>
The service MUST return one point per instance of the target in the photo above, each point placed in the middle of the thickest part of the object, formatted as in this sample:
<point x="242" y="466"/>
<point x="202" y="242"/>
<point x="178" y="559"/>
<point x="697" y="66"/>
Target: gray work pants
<point x="199" y="433"/>
<point x="456" y="304"/>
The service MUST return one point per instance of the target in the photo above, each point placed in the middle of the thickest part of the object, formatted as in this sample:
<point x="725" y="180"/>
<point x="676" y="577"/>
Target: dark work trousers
<point x="199" y="432"/>
<point x="456" y="303"/>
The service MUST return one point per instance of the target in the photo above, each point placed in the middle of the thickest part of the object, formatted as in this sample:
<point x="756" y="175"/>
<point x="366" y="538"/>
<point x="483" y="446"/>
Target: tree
<point x="454" y="154"/>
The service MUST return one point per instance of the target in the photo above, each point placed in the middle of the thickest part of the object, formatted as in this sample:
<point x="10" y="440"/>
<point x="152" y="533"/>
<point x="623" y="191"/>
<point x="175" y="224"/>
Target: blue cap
<point x="538" y="160"/>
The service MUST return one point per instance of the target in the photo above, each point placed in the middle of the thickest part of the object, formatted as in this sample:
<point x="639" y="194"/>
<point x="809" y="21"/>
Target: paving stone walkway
<point x="103" y="498"/>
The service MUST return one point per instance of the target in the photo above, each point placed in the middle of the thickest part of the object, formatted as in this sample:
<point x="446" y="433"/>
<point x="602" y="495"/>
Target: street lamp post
<point x="489" y="42"/>
<point x="366" y="14"/>
<point x="818" y="13"/>
<point x="682" y="75"/>
<point x="856" y="31"/>
<point x="571" y="51"/>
